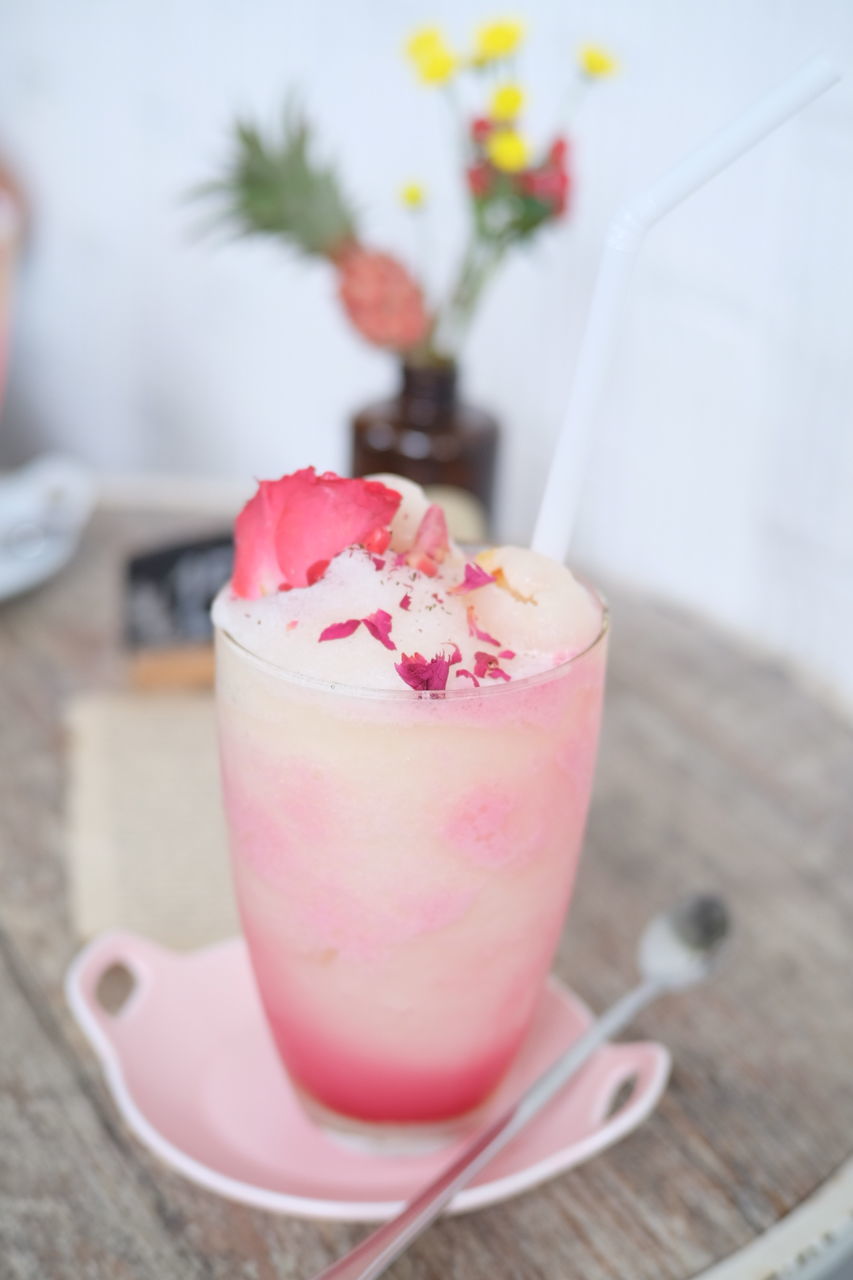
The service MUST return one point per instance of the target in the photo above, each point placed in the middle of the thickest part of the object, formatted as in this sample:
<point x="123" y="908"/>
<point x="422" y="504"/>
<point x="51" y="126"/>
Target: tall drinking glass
<point x="403" y="863"/>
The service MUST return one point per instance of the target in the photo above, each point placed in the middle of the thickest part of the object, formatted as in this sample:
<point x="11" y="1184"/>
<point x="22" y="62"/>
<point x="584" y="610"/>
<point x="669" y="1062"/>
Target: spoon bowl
<point x="680" y="947"/>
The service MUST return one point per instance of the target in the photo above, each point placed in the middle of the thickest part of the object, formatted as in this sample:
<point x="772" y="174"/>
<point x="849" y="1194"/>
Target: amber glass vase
<point x="426" y="433"/>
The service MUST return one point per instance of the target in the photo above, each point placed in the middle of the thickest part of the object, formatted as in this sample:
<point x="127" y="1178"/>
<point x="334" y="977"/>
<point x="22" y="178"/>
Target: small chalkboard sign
<point x="169" y="592"/>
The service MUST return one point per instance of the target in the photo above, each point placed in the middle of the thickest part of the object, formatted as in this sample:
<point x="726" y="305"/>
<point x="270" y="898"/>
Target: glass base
<point x="390" y="1138"/>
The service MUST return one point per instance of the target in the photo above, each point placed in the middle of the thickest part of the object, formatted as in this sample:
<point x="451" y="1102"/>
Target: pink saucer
<point x="193" y="1070"/>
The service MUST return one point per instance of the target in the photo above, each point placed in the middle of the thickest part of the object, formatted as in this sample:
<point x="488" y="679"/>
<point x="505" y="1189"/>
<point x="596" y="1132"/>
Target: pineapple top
<point x="273" y="186"/>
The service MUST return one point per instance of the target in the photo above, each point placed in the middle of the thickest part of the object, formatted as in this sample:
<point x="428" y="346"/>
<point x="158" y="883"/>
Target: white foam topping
<point x="536" y="610"/>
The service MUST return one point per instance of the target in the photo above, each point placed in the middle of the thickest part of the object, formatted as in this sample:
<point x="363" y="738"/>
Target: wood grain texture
<point x="717" y="770"/>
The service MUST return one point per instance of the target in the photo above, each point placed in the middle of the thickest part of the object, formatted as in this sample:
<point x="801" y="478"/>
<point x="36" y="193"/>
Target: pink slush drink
<point x="408" y="737"/>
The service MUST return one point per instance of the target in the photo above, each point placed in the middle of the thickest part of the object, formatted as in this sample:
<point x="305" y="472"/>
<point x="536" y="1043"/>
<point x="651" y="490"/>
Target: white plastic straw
<point x="625" y="234"/>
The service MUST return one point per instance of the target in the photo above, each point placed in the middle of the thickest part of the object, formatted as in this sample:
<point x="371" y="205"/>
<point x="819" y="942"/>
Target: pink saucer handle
<point x="145" y="961"/>
<point x="636" y="1064"/>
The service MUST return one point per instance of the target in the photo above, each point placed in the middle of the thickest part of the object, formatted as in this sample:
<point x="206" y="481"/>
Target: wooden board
<point x="718" y="770"/>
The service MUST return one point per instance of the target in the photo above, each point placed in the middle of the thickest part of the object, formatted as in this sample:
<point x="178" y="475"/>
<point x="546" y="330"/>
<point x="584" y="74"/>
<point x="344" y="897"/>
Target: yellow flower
<point x="507" y="102"/>
<point x="413" y="195"/>
<point x="423" y="41"/>
<point x="496" y="40"/>
<point x="434" y="60"/>
<point x="507" y="150"/>
<point x="597" y="62"/>
<point x="437" y="67"/>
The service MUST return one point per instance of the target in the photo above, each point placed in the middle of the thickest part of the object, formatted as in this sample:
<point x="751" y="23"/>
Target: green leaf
<point x="273" y="186"/>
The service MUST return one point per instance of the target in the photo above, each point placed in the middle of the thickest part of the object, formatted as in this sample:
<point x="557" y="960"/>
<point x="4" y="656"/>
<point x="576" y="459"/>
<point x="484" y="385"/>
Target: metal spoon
<point x="676" y="950"/>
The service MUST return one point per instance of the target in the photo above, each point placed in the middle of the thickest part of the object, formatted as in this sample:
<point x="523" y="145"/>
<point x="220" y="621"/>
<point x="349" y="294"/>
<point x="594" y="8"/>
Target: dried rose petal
<point x="507" y="653"/>
<point x="475" y="577"/>
<point x="482" y="662"/>
<point x="474" y="630"/>
<point x="503" y="582"/>
<point x="340" y="630"/>
<point x="423" y="673"/>
<point x="379" y="626"/>
<point x="486" y="664"/>
<point x="432" y="542"/>
<point x="288" y="532"/>
<point x="469" y="675"/>
<point x="378" y="562"/>
<point x="406" y="602"/>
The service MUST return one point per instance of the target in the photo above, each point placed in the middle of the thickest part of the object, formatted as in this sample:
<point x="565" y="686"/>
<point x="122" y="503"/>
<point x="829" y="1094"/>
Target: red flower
<point x="558" y="152"/>
<point x="561" y="197"/>
<point x="548" y="184"/>
<point x="479" y="180"/>
<point x="288" y="532"/>
<point x="480" y="130"/>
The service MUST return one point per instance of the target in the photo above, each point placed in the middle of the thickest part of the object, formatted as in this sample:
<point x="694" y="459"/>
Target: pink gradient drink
<point x="403" y="861"/>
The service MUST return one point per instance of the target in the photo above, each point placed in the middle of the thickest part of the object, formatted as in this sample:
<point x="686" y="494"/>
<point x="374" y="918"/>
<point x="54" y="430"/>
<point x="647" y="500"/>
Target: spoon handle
<point x="378" y="1250"/>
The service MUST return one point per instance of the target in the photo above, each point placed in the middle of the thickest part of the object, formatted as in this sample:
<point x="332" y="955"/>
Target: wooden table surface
<point x="718" y="770"/>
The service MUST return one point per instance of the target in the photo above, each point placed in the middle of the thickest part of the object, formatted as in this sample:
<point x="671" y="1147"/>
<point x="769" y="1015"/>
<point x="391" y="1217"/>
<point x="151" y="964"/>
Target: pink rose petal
<point x="378" y="562"/>
<point x="486" y="664"/>
<point x="423" y="673"/>
<point x="456" y="655"/>
<point x="475" y="577"/>
<point x="469" y="675"/>
<point x="506" y="653"/>
<point x="432" y="542"/>
<point x="482" y="662"/>
<point x="256" y="568"/>
<point x="406" y="602"/>
<point x="288" y="532"/>
<point x="340" y="630"/>
<point x="474" y="630"/>
<point x="379" y="626"/>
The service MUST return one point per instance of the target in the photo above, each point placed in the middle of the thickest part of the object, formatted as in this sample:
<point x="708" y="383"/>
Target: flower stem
<point x="480" y="261"/>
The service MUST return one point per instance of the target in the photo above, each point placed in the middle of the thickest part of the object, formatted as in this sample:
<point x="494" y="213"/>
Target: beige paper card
<point x="146" y="836"/>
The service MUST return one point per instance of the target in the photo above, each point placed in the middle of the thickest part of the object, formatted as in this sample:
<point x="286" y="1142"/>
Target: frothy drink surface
<point x="516" y="607"/>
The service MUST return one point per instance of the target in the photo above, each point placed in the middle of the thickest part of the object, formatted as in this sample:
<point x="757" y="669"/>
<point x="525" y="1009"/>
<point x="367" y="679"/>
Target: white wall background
<point x="724" y="473"/>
